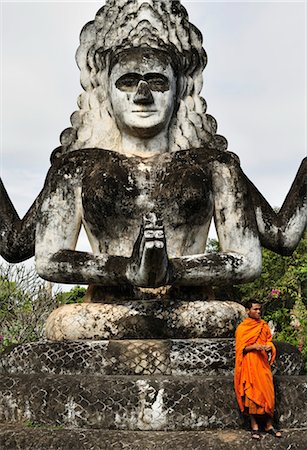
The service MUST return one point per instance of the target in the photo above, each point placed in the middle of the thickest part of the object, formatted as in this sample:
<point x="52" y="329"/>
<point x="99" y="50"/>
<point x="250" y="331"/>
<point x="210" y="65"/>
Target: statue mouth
<point x="144" y="112"/>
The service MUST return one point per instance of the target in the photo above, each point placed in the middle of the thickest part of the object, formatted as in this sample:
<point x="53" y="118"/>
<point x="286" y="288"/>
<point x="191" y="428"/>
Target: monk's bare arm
<point x="281" y="231"/>
<point x="256" y="348"/>
<point x="240" y="258"/>
<point x="17" y="236"/>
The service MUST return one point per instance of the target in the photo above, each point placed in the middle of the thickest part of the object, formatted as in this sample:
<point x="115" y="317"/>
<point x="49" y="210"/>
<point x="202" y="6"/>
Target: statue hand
<point x="149" y="265"/>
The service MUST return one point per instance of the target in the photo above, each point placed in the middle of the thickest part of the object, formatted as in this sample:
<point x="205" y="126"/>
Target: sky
<point x="254" y="86"/>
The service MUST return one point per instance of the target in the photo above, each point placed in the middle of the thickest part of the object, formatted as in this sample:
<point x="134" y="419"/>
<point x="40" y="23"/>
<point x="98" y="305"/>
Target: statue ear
<point x="100" y="59"/>
<point x="109" y="108"/>
<point x="181" y="88"/>
<point x="181" y="82"/>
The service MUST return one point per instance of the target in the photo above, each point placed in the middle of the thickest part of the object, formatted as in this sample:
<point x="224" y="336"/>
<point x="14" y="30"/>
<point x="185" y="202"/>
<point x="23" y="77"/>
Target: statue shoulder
<point x="82" y="158"/>
<point x="228" y="158"/>
<point x="213" y="156"/>
<point x="74" y="165"/>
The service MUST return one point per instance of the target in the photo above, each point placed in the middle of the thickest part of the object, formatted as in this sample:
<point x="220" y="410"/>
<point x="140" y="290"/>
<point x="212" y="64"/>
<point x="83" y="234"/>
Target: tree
<point x="75" y="295"/>
<point x="25" y="303"/>
<point x="282" y="288"/>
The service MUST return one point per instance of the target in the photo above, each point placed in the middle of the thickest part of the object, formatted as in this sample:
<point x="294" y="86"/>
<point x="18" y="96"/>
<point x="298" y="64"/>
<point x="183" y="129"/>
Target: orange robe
<point x="253" y="376"/>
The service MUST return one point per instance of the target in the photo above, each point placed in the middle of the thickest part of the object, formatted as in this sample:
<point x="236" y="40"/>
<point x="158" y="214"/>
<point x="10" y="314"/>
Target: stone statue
<point x="143" y="170"/>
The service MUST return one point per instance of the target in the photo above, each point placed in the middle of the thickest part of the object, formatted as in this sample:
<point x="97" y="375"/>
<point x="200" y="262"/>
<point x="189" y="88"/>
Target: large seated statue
<point x="143" y="170"/>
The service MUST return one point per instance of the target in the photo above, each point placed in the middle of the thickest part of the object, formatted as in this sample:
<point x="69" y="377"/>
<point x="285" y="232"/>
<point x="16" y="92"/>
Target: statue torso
<point x="117" y="191"/>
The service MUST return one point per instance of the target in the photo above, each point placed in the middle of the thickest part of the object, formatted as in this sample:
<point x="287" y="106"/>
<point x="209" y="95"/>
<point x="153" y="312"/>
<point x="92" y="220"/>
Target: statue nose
<point x="143" y="95"/>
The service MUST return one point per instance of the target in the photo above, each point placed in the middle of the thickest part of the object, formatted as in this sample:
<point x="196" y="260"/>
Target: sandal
<point x="274" y="432"/>
<point x="256" y="435"/>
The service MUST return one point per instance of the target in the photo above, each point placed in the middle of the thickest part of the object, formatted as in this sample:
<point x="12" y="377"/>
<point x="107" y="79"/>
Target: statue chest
<point x="116" y="196"/>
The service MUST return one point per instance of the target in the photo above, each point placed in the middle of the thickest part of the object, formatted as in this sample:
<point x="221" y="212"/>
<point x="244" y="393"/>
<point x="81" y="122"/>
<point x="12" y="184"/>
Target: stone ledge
<point x="145" y="403"/>
<point x="152" y="319"/>
<point x="17" y="437"/>
<point x="205" y="357"/>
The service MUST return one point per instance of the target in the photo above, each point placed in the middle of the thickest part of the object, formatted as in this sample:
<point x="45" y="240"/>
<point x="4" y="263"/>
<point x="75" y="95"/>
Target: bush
<point x="25" y="303"/>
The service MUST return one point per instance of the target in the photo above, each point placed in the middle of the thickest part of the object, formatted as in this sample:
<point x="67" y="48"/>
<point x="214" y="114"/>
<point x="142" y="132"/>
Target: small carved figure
<point x="143" y="170"/>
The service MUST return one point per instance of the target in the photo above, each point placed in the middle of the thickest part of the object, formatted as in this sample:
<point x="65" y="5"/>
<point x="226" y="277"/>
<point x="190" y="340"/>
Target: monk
<point x="255" y="353"/>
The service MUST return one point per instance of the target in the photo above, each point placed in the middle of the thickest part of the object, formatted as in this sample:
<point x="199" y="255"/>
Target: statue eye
<point x="157" y="82"/>
<point x="128" y="82"/>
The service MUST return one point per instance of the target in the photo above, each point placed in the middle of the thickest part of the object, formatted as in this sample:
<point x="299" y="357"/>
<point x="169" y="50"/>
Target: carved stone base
<point x="150" y="403"/>
<point x="137" y="385"/>
<point x="205" y="357"/>
<point x="158" y="319"/>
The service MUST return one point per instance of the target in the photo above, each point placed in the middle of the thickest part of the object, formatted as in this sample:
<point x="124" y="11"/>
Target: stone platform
<point x="17" y="437"/>
<point x="171" y="386"/>
<point x="204" y="357"/>
<point x="151" y="403"/>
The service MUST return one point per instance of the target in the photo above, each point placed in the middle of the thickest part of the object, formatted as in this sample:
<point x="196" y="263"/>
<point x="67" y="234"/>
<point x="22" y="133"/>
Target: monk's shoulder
<point x="241" y="327"/>
<point x="243" y="323"/>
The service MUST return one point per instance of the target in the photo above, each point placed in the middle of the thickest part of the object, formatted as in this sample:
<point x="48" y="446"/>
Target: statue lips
<point x="144" y="112"/>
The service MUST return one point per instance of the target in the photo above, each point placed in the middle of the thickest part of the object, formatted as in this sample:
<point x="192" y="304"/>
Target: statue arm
<point x="281" y="231"/>
<point x="56" y="237"/>
<point x="240" y="258"/>
<point x="17" y="236"/>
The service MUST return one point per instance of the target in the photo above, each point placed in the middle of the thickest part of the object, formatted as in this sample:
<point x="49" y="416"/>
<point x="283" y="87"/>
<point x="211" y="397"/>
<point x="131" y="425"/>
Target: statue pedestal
<point x="150" y="319"/>
<point x="137" y="394"/>
<point x="123" y="386"/>
<point x="145" y="385"/>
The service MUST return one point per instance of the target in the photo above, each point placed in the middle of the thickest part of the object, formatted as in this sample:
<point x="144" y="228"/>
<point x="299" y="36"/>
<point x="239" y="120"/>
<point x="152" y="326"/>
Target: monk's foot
<point x="274" y="432"/>
<point x="256" y="435"/>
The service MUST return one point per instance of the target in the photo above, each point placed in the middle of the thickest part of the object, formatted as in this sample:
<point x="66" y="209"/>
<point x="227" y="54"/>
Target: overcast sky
<point x="254" y="85"/>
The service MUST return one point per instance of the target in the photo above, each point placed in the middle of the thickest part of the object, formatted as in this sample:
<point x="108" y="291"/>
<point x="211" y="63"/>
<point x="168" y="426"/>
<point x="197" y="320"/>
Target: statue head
<point x="141" y="68"/>
<point x="142" y="95"/>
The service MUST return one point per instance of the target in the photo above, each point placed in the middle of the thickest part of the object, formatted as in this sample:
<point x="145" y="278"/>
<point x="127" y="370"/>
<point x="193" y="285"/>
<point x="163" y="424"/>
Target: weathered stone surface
<point x="145" y="320"/>
<point x="137" y="357"/>
<point x="289" y="360"/>
<point x="141" y="103"/>
<point x="16" y="437"/>
<point x="140" y="403"/>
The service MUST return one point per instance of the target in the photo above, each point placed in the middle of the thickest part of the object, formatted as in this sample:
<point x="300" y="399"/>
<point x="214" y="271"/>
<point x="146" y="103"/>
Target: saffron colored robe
<point x="253" y="376"/>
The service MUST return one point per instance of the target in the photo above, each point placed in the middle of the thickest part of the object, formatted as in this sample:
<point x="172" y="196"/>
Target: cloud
<point x="255" y="86"/>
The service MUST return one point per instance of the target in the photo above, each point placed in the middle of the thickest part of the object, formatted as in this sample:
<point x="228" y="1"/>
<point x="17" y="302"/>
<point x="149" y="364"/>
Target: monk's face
<point x="255" y="311"/>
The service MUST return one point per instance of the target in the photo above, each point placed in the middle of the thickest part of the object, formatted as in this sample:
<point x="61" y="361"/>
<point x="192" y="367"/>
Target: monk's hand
<point x="259" y="347"/>
<point x="267" y="348"/>
<point x="149" y="265"/>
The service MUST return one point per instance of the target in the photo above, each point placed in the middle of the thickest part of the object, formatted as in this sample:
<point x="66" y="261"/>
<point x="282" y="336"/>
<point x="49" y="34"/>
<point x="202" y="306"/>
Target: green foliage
<point x="25" y="303"/>
<point x="75" y="295"/>
<point x="285" y="274"/>
<point x="31" y="424"/>
<point x="212" y="246"/>
<point x="282" y="288"/>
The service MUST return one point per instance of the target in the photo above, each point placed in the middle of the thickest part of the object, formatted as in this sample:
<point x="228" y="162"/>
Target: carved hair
<point x="157" y="24"/>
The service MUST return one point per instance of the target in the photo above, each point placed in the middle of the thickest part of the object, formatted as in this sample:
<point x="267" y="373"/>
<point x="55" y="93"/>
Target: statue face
<point x="142" y="88"/>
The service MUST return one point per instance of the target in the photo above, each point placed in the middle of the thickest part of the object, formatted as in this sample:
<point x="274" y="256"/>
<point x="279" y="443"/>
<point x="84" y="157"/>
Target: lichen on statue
<point x="143" y="170"/>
